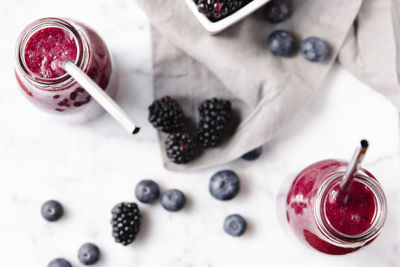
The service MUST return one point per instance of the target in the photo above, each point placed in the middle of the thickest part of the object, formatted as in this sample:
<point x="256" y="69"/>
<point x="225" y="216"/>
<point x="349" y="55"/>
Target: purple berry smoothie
<point x="320" y="221"/>
<point x="48" y="40"/>
<point x="356" y="215"/>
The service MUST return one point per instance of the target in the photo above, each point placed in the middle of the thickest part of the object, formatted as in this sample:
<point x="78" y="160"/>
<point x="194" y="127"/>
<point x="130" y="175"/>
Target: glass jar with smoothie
<point x="336" y="207"/>
<point x="46" y="42"/>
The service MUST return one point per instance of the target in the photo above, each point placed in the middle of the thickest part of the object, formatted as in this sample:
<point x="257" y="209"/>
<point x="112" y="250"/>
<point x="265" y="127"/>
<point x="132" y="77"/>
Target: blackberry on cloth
<point x="215" y="117"/>
<point x="180" y="147"/>
<point x="166" y="115"/>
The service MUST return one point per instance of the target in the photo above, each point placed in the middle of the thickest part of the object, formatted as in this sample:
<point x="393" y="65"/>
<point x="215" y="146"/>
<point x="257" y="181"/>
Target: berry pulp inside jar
<point x="45" y="48"/>
<point x="354" y="216"/>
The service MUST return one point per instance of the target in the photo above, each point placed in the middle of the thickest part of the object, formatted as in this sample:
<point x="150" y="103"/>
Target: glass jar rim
<point x="29" y="31"/>
<point x="336" y="236"/>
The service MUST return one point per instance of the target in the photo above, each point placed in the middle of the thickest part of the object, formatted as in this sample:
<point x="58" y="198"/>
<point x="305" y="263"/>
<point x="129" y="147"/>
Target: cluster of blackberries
<point x="181" y="146"/>
<point x="283" y="43"/>
<point x="216" y="10"/>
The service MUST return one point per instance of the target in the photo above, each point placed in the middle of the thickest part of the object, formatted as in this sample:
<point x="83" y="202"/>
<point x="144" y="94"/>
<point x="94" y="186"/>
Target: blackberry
<point x="215" y="117"/>
<point x="126" y="219"/>
<point x="180" y="147"/>
<point x="166" y="115"/>
<point x="216" y="10"/>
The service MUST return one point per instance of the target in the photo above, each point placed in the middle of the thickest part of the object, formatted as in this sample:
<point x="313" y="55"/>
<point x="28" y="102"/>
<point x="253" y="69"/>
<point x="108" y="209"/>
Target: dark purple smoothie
<point x="355" y="216"/>
<point x="317" y="218"/>
<point x="45" y="43"/>
<point x="45" y="48"/>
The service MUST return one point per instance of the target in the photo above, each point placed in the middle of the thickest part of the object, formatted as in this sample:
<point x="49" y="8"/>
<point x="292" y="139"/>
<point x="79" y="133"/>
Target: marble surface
<point x="91" y="167"/>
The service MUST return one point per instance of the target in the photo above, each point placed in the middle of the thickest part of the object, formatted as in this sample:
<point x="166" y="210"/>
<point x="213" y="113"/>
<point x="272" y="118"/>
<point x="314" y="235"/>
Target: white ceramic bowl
<point x="215" y="27"/>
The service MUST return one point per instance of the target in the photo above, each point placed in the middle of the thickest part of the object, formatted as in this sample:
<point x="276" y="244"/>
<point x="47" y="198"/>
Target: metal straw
<point x="353" y="166"/>
<point x="101" y="97"/>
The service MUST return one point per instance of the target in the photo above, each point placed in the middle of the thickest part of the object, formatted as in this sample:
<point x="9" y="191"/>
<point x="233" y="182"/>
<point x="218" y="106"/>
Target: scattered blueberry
<point x="173" y="200"/>
<point x="281" y="43"/>
<point x="88" y="254"/>
<point x="313" y="49"/>
<point x="235" y="225"/>
<point x="253" y="154"/>
<point x="59" y="263"/>
<point x="52" y="210"/>
<point x="147" y="191"/>
<point x="224" y="185"/>
<point x="276" y="11"/>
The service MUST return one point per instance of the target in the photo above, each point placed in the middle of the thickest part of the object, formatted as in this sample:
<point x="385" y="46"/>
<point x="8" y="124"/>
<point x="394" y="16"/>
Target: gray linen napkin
<point x="267" y="91"/>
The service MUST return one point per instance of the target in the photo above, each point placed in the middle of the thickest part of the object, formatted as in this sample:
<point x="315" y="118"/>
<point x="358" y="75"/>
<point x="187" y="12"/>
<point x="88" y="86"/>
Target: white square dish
<point x="216" y="27"/>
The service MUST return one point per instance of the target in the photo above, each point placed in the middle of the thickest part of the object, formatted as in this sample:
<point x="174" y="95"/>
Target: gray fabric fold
<point x="371" y="50"/>
<point x="267" y="91"/>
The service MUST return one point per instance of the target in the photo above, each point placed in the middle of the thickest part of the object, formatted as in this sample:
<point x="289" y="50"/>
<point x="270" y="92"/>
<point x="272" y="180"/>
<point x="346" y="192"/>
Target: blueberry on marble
<point x="88" y="254"/>
<point x="173" y="200"/>
<point x="313" y="49"/>
<point x="59" y="262"/>
<point x="52" y="210"/>
<point x="224" y="185"/>
<point x="147" y="191"/>
<point x="276" y="11"/>
<point x="235" y="225"/>
<point x="253" y="154"/>
<point x="281" y="43"/>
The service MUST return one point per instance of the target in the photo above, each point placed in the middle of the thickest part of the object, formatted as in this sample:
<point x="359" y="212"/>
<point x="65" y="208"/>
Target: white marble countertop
<point x="91" y="167"/>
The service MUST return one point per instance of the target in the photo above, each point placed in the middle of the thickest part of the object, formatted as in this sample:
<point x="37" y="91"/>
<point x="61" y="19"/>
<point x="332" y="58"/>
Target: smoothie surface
<point x="45" y="48"/>
<point x="356" y="215"/>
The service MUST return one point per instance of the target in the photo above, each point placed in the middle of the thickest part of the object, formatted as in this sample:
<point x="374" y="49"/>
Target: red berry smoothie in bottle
<point x="335" y="227"/>
<point x="48" y="41"/>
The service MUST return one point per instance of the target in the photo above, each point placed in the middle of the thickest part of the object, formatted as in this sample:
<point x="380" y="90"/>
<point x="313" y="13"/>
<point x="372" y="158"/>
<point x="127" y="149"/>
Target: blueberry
<point x="224" y="185"/>
<point x="59" y="263"/>
<point x="313" y="49"/>
<point x="173" y="200"/>
<point x="281" y="43"/>
<point x="276" y="11"/>
<point x="147" y="191"/>
<point x="52" y="210"/>
<point x="253" y="154"/>
<point x="88" y="254"/>
<point x="235" y="225"/>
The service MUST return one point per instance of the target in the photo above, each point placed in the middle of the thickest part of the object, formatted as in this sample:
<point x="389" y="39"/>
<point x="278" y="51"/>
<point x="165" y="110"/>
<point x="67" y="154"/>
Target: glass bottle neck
<point x="333" y="235"/>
